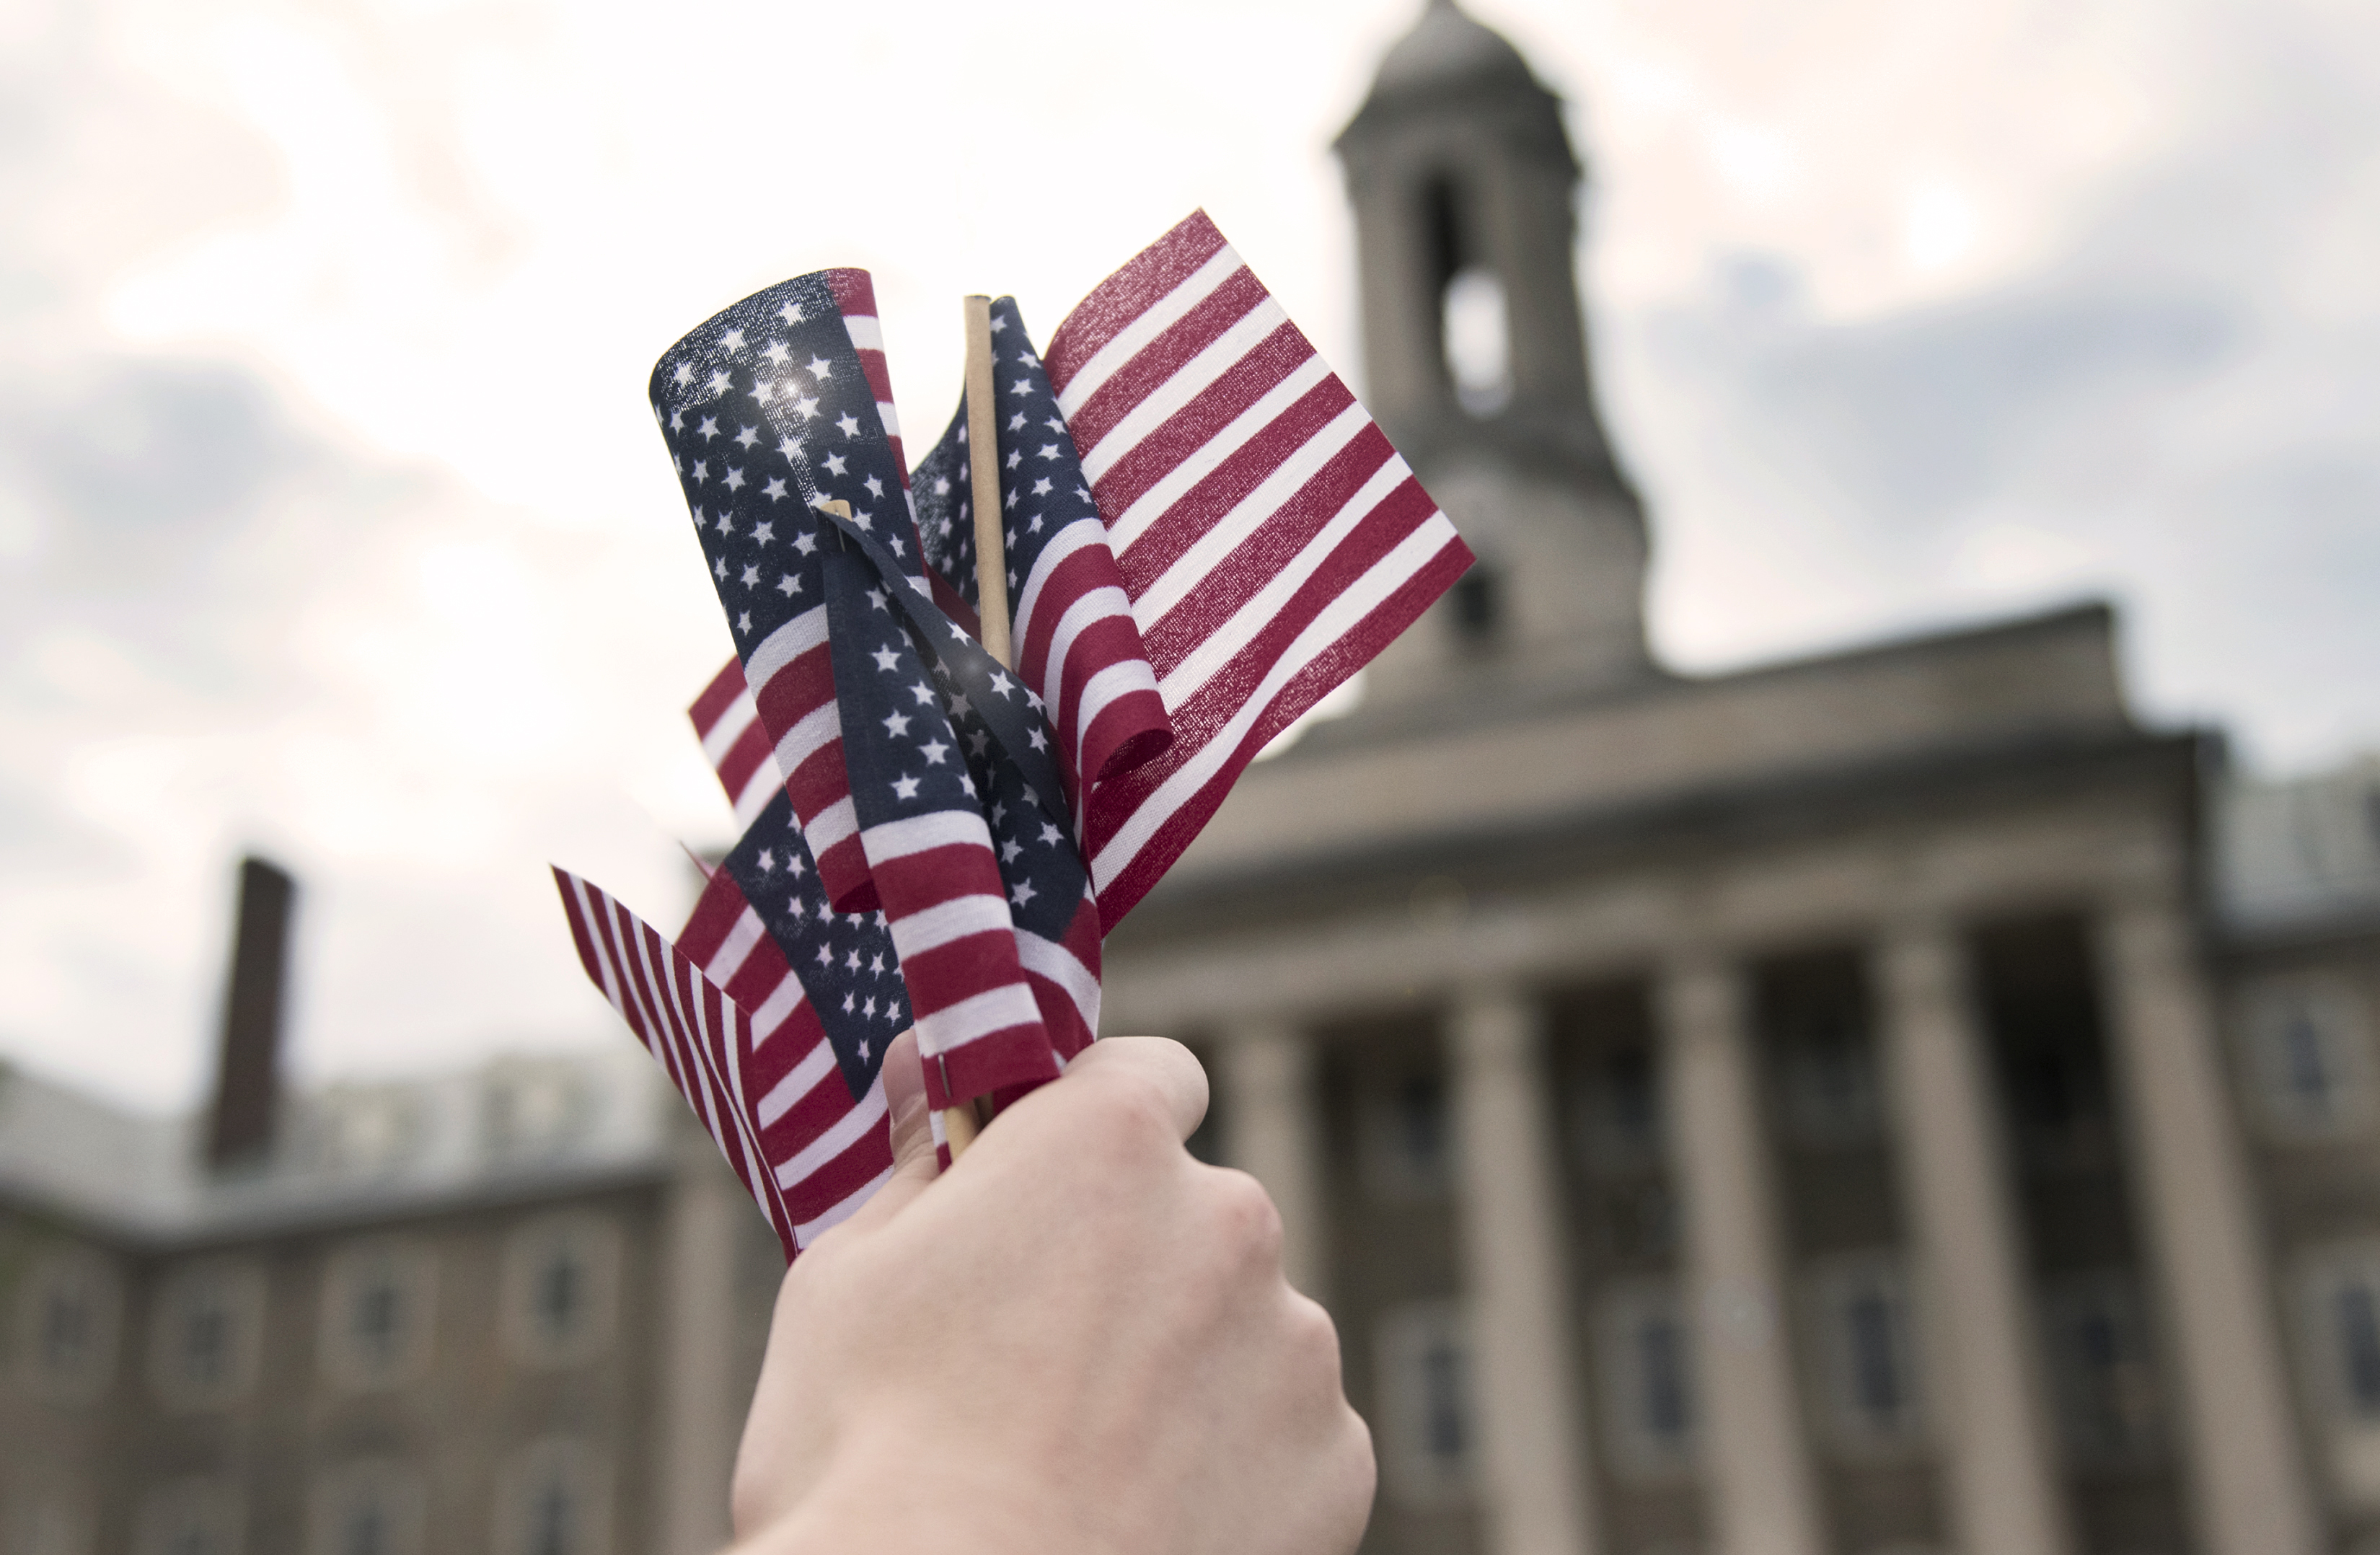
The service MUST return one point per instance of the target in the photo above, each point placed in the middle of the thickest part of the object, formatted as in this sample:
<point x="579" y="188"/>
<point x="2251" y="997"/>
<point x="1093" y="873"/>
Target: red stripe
<point x="1129" y="293"/>
<point x="713" y="918"/>
<point x="1155" y="364"/>
<point x="1239" y="472"/>
<point x="1133" y="729"/>
<point x="853" y="291"/>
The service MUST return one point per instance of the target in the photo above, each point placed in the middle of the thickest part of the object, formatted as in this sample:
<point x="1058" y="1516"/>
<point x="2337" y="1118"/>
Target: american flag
<point x="764" y="1083"/>
<point x="770" y="407"/>
<point x="738" y="747"/>
<point x="1272" y="540"/>
<point x="922" y="825"/>
<point x="1076" y="644"/>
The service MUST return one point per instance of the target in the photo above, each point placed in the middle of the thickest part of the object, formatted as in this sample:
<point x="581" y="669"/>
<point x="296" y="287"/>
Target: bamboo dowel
<point x="959" y="1123"/>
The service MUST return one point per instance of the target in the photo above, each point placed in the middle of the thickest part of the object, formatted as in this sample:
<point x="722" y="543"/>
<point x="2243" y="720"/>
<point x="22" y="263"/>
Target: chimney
<point x="247" y="1078"/>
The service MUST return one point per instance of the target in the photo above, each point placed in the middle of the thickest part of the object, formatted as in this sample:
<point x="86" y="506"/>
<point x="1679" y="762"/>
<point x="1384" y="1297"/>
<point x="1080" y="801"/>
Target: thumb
<point x="912" y="1122"/>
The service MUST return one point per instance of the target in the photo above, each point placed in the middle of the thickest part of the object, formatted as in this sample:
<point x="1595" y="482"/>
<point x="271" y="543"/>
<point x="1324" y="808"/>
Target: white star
<point x="748" y="436"/>
<point x="887" y="661"/>
<point x="850" y="1002"/>
<point x="852" y="962"/>
<point x="876" y="598"/>
<point x="708" y="429"/>
<point x="933" y="751"/>
<point x="1038" y="743"/>
<point x="833" y="464"/>
<point x="683" y="374"/>
<point x="924" y="693"/>
<point x="805" y="408"/>
<point x="1049" y="834"/>
<point x="870" y="1011"/>
<point x="743" y="621"/>
<point x="822" y="368"/>
<point x="763" y="533"/>
<point x="999" y="812"/>
<point x="1022" y="386"/>
<point x="762" y="391"/>
<point x="1054" y="424"/>
<point x="875" y="487"/>
<point x="825" y="957"/>
<point x="942" y="486"/>
<point x="1009" y="850"/>
<point x="848" y="423"/>
<point x="768" y="861"/>
<point x="735" y="478"/>
<point x="861" y="516"/>
<point x="1017" y="420"/>
<point x="863" y="1046"/>
<point x="776" y="353"/>
<point x="773" y="490"/>
<point x="726" y="523"/>
<point x="677" y="418"/>
<point x="1001" y="684"/>
<point x="791" y="312"/>
<point x="721" y="383"/>
<point x="976" y="741"/>
<point x="751" y="577"/>
<point x="1048" y="450"/>
<point x="701" y="472"/>
<point x="791" y="447"/>
<point x="789" y="585"/>
<point x="1023" y="893"/>
<point x="959" y="707"/>
<point x="998" y="323"/>
<point x="1014" y="459"/>
<point x="876" y="966"/>
<point x="1035" y="527"/>
<point x="904" y="788"/>
<point x="733" y="340"/>
<point x="806" y="544"/>
<point x="896" y="723"/>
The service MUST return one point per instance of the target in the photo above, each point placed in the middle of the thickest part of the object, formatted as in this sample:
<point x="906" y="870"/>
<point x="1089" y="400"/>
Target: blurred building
<point x="517" y="1310"/>
<point x="1893" y="1102"/>
<point x="1889" y="1103"/>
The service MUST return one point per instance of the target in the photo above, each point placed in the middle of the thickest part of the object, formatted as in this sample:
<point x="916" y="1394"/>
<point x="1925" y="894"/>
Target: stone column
<point x="1513" y="1235"/>
<point x="1763" y="1490"/>
<point x="1273" y="1127"/>
<point x="1992" y="1400"/>
<point x="2247" y="1467"/>
<point x="701" y="1414"/>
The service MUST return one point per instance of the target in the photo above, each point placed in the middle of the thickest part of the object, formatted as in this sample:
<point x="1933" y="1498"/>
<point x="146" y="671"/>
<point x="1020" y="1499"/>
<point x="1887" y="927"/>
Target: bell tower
<point x="1463" y="185"/>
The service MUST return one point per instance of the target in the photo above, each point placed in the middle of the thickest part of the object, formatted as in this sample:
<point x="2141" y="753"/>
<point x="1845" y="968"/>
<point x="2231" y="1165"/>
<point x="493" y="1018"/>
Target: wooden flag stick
<point x="960" y="1124"/>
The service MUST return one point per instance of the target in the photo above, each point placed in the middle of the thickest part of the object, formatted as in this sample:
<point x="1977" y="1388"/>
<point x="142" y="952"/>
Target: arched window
<point x="1473" y="317"/>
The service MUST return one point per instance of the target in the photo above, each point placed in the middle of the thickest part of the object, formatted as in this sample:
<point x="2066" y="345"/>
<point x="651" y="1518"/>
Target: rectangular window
<point x="1645" y="1357"/>
<point x="1428" y="1429"/>
<point x="1864" y="1334"/>
<point x="2100" y="1368"/>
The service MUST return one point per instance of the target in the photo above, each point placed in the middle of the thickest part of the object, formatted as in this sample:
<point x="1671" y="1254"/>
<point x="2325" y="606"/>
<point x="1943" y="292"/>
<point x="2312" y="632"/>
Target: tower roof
<point x="1448" y="50"/>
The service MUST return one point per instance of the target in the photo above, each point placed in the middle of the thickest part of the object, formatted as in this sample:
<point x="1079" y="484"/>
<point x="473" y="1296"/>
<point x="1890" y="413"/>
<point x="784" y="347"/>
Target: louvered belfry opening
<point x="241" y="1123"/>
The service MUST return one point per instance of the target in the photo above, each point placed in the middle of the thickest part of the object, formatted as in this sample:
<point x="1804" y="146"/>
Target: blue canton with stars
<point x="845" y="961"/>
<point x="1040" y="475"/>
<point x="767" y="410"/>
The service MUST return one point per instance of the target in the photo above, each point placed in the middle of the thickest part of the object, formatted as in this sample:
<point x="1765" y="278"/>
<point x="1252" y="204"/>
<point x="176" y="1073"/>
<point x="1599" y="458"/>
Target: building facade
<point x="1880" y="1104"/>
<point x="1889" y="1103"/>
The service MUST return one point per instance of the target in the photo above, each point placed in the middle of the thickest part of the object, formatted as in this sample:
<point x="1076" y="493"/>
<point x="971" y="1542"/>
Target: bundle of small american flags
<point x="1204" y="534"/>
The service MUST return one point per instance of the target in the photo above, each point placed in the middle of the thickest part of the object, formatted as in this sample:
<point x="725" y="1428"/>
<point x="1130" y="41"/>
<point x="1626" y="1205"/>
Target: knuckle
<point x="1250" y="1221"/>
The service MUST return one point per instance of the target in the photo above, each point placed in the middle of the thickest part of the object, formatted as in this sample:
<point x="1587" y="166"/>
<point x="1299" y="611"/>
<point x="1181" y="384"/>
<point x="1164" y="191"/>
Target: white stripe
<point x="1049" y="959"/>
<point x="1212" y="548"/>
<point x="581" y="890"/>
<point x="1082" y="532"/>
<point x="899" y="839"/>
<point x="777" y="1009"/>
<point x="1342" y="616"/>
<point x="759" y="789"/>
<point x="867" y="331"/>
<point x="1118" y="680"/>
<point x="720" y="737"/>
<point x="1134" y="337"/>
<point x="810" y="1231"/>
<point x="838" y="1137"/>
<point x="799" y="1081"/>
<point x="1243" y="429"/>
<point x="729" y="958"/>
<point x="1165" y="402"/>
<point x="784" y="645"/>
<point x="890" y="416"/>
<point x="944" y="921"/>
<point x="949" y="1030"/>
<point x="831" y="826"/>
<point x="812" y="733"/>
<point x="1220" y="646"/>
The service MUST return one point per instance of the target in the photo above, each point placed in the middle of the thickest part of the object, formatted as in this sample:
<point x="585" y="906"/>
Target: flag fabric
<point x="735" y="743"/>
<point x="1270" y="539"/>
<point x="1076" y="645"/>
<point x="771" y="407"/>
<point x="928" y="848"/>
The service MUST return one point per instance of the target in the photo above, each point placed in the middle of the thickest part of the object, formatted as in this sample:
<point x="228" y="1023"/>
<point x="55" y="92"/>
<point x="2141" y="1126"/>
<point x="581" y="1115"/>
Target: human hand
<point x="1078" y="1338"/>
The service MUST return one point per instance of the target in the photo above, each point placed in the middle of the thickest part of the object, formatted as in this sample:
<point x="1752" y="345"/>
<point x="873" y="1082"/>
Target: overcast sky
<point x="331" y="522"/>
